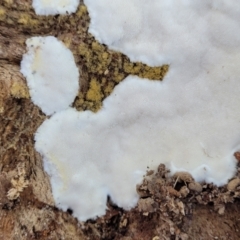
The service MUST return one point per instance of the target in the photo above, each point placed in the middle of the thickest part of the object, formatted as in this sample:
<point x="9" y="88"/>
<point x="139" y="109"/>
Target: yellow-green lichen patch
<point x="94" y="93"/>
<point x="27" y="20"/>
<point x="144" y="71"/>
<point x="95" y="57"/>
<point x="109" y="88"/>
<point x="82" y="10"/>
<point x="19" y="90"/>
<point x="81" y="103"/>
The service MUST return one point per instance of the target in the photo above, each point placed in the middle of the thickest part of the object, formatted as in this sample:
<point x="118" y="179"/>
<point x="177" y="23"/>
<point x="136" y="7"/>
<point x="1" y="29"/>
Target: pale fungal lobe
<point x="190" y="121"/>
<point x="53" y="7"/>
<point x="51" y="73"/>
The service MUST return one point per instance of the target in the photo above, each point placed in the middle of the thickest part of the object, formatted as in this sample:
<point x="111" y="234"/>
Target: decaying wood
<point x="26" y="204"/>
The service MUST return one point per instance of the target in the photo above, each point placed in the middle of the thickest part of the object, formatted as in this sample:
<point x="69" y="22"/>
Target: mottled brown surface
<point x="168" y="208"/>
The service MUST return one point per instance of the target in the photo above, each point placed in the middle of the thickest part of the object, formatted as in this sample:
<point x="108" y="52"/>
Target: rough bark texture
<point x="167" y="209"/>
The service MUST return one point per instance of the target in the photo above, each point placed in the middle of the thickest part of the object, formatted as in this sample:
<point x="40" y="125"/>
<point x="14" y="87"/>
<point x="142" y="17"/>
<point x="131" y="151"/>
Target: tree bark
<point x="27" y="211"/>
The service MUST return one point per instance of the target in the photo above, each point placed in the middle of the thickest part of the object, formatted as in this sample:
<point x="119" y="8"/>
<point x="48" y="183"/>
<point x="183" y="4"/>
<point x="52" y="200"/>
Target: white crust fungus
<point x="190" y="121"/>
<point x="166" y="31"/>
<point x="142" y="123"/>
<point x="53" y="7"/>
<point x="51" y="73"/>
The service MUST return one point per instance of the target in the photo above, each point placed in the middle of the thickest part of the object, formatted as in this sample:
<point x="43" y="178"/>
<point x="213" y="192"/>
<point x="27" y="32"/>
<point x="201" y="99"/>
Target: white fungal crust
<point x="92" y="155"/>
<point x="51" y="73"/>
<point x="53" y="7"/>
<point x="190" y="121"/>
<point x="165" y="31"/>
